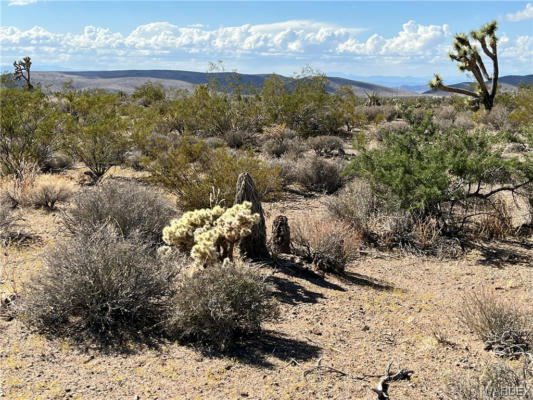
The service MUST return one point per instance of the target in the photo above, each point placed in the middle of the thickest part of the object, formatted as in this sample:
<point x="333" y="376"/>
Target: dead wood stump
<point x="281" y="235"/>
<point x="253" y="246"/>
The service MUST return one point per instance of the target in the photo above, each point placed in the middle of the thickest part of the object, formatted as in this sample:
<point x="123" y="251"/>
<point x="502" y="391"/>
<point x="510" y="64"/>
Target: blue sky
<point x="400" y="38"/>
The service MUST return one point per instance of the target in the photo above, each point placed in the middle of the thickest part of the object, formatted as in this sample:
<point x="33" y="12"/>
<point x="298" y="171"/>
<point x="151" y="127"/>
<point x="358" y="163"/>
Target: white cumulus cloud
<point x="526" y="13"/>
<point x="277" y="47"/>
<point x="21" y="2"/>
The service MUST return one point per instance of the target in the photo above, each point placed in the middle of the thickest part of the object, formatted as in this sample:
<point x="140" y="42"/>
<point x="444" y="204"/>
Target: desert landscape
<point x="170" y="234"/>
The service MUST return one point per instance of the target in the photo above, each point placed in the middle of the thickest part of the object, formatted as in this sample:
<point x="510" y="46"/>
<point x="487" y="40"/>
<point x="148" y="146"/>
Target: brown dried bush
<point x="329" y="244"/>
<point x="505" y="329"/>
<point x="49" y="190"/>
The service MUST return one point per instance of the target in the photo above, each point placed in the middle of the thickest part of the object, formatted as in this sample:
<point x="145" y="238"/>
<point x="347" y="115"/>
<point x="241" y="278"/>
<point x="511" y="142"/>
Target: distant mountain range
<point x="507" y="83"/>
<point x="128" y="80"/>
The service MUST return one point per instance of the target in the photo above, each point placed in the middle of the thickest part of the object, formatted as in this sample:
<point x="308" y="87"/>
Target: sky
<point x="347" y="38"/>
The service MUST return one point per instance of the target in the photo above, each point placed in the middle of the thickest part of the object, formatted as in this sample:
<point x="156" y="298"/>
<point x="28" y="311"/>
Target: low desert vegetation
<point x="505" y="328"/>
<point x="220" y="305"/>
<point x="145" y="229"/>
<point x="132" y="208"/>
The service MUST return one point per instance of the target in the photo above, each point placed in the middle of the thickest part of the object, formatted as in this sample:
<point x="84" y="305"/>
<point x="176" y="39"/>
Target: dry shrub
<point x="325" y="145"/>
<point x="494" y="221"/>
<point x="9" y="228"/>
<point x="497" y="381"/>
<point x="319" y="175"/>
<point x="464" y="121"/>
<point x="275" y="148"/>
<point x="385" y="129"/>
<point x="220" y="304"/>
<point x="16" y="189"/>
<point x="329" y="244"/>
<point x="357" y="205"/>
<point x="49" y="190"/>
<point x="376" y="114"/>
<point x="237" y="139"/>
<point x="505" y="329"/>
<point x="497" y="118"/>
<point x="57" y="162"/>
<point x="385" y="225"/>
<point x="100" y="287"/>
<point x="131" y="207"/>
<point x="287" y="168"/>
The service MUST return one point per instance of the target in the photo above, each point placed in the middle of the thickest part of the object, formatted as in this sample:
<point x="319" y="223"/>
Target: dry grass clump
<point x="329" y="244"/>
<point x="318" y="175"/>
<point x="131" y="207"/>
<point x="220" y="304"/>
<point x="505" y="329"/>
<point x="49" y="190"/>
<point x="100" y="287"/>
<point x="497" y="381"/>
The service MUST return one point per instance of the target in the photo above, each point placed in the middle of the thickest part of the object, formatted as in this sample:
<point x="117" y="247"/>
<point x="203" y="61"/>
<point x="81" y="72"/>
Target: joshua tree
<point x="20" y="67"/>
<point x="469" y="59"/>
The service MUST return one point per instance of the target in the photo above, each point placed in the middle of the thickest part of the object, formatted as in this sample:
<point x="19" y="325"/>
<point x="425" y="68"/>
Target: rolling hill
<point x="128" y="80"/>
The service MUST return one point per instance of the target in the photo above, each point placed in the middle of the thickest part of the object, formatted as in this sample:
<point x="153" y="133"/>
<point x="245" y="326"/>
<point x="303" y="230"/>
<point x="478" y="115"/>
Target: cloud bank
<point x="262" y="47"/>
<point x="526" y="13"/>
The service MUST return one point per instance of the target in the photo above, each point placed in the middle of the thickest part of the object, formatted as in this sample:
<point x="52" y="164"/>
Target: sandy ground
<point x="387" y="308"/>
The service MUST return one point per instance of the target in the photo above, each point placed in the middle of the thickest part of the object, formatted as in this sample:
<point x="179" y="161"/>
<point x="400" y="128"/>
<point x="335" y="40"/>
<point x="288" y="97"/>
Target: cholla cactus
<point x="181" y="231"/>
<point x="211" y="234"/>
<point x="469" y="59"/>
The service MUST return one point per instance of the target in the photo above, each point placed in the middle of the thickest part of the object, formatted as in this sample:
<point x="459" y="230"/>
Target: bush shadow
<point x="259" y="350"/>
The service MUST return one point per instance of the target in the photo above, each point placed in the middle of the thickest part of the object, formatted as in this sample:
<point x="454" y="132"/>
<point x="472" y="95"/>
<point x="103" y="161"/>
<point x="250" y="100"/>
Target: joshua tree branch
<point x="457" y="90"/>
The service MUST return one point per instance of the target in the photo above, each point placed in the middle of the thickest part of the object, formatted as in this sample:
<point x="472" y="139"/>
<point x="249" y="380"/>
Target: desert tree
<point x="22" y="66"/>
<point x="466" y="52"/>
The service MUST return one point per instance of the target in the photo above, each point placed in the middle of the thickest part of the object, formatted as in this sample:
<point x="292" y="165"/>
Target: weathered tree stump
<point x="253" y="246"/>
<point x="281" y="235"/>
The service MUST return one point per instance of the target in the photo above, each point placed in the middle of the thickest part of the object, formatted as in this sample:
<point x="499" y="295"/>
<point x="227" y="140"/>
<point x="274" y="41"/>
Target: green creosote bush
<point x="28" y="122"/>
<point x="211" y="234"/>
<point x="96" y="132"/>
<point x="131" y="207"/>
<point x="220" y="304"/>
<point x="423" y="168"/>
<point x="192" y="169"/>
<point x="102" y="288"/>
